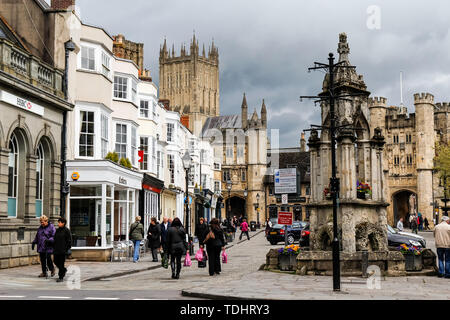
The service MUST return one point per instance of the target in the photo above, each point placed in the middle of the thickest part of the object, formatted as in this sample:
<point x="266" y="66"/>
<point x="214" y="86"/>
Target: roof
<point x="222" y="122"/>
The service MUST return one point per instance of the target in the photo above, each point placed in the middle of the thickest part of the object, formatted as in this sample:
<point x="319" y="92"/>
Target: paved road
<point x="240" y="278"/>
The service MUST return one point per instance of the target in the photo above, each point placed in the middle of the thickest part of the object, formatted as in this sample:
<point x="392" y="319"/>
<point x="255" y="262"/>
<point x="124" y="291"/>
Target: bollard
<point x="364" y="262"/>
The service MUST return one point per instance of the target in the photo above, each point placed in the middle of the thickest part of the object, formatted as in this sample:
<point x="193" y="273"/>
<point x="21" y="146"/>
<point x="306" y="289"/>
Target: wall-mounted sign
<point x="75" y="176"/>
<point x="21" y="103"/>
<point x="122" y="181"/>
<point x="285" y="180"/>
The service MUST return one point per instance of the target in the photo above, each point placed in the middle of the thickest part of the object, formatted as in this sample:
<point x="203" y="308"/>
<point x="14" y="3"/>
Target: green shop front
<point x="102" y="203"/>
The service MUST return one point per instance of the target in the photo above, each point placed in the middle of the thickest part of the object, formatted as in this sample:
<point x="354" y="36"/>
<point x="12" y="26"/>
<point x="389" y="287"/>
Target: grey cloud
<point x="265" y="47"/>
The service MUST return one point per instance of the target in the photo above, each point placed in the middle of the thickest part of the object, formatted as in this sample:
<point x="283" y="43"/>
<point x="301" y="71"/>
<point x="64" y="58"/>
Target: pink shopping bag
<point x="187" y="261"/>
<point x="224" y="257"/>
<point x="199" y="255"/>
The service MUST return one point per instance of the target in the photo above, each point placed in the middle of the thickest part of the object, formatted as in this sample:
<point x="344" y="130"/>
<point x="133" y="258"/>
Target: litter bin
<point x="252" y="225"/>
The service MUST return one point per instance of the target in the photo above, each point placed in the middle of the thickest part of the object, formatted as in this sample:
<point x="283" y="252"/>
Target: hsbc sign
<point x="21" y="103"/>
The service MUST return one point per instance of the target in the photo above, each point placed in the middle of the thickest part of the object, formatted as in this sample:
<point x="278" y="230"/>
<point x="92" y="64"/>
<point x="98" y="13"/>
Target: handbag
<point x="202" y="264"/>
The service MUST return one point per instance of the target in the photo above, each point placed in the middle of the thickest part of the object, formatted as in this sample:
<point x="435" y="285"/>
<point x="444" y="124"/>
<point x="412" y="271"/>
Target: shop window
<point x="13" y="172"/>
<point x="39" y="179"/>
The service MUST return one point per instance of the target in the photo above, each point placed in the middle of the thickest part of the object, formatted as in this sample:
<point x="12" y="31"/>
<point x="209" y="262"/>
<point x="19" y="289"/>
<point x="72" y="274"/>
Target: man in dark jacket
<point x="44" y="241"/>
<point x="62" y="243"/>
<point x="201" y="230"/>
<point x="154" y="238"/>
<point x="164" y="228"/>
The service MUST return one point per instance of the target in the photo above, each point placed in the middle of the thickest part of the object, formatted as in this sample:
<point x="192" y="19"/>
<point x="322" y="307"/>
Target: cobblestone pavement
<point x="240" y="279"/>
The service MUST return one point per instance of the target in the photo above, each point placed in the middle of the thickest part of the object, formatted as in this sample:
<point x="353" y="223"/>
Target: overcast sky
<point x="265" y="47"/>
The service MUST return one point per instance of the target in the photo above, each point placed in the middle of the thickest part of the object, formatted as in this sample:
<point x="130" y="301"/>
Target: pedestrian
<point x="414" y="224"/>
<point x="215" y="242"/>
<point x="164" y="228"/>
<point x="400" y="224"/>
<point x="177" y="246"/>
<point x="268" y="226"/>
<point x="170" y="220"/>
<point x="200" y="231"/>
<point x="235" y="222"/>
<point x="427" y="224"/>
<point x="62" y="244"/>
<point x="136" y="235"/>
<point x="44" y="241"/>
<point x="244" y="229"/>
<point x="420" y="222"/>
<point x="154" y="238"/>
<point x="442" y="240"/>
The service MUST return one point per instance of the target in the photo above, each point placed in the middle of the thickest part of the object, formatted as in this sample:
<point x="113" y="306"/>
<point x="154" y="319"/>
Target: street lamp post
<point x="187" y="161"/>
<point x="229" y="186"/>
<point x="444" y="180"/>
<point x="257" y="209"/>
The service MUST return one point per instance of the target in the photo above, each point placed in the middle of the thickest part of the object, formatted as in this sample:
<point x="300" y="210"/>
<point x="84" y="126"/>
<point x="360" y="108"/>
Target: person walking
<point x="400" y="224"/>
<point x="62" y="244"/>
<point x="44" y="240"/>
<point x="268" y="226"/>
<point x="177" y="246"/>
<point x="154" y="238"/>
<point x="244" y="229"/>
<point x="136" y="235"/>
<point x="201" y="230"/>
<point x="420" y="222"/>
<point x="164" y="229"/>
<point x="442" y="239"/>
<point x="427" y="224"/>
<point x="414" y="224"/>
<point x="215" y="242"/>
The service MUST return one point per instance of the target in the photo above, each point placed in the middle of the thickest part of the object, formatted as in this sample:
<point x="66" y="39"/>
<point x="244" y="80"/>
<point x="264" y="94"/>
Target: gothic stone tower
<point x="190" y="82"/>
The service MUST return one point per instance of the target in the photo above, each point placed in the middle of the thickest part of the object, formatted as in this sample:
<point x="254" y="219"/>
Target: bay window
<point x="86" y="142"/>
<point x="133" y="145"/>
<point x="121" y="140"/>
<point x="104" y="135"/>
<point x="144" y="147"/>
<point x="120" y="87"/>
<point x="88" y="58"/>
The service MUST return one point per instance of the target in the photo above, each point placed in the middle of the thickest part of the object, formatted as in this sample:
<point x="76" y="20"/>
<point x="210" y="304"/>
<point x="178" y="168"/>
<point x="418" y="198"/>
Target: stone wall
<point x="14" y="252"/>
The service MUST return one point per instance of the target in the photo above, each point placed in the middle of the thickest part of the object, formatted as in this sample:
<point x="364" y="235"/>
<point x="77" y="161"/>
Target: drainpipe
<point x="68" y="46"/>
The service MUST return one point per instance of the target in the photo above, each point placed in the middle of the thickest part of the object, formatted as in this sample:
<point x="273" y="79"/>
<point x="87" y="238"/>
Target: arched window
<point x="13" y="169"/>
<point x="40" y="168"/>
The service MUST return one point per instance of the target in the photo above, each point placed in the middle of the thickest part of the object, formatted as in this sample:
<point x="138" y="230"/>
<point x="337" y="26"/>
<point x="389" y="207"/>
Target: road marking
<point x="100" y="298"/>
<point x="12" y="296"/>
<point x="52" y="297"/>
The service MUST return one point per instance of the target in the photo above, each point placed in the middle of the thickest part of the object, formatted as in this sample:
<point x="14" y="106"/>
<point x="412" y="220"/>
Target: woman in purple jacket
<point x="44" y="240"/>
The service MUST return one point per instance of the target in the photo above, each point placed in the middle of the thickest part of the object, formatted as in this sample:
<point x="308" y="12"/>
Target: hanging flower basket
<point x="363" y="190"/>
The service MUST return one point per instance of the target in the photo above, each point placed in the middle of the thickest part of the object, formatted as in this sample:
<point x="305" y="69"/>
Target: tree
<point x="442" y="163"/>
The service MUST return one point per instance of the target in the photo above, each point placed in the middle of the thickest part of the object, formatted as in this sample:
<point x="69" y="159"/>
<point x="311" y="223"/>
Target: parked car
<point x="304" y="236"/>
<point x="277" y="234"/>
<point x="396" y="238"/>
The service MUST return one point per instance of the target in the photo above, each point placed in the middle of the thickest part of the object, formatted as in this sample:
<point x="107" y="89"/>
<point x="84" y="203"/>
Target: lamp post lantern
<point x="187" y="161"/>
<point x="257" y="209"/>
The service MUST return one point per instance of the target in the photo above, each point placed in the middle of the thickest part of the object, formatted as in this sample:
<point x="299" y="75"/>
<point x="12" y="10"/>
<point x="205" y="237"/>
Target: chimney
<point x="62" y="4"/>
<point x="303" y="143"/>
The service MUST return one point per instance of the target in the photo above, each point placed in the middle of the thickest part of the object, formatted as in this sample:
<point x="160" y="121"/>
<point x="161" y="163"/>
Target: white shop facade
<point x="102" y="203"/>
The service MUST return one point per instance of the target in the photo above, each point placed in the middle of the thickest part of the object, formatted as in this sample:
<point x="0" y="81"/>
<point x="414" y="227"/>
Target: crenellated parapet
<point x="421" y="98"/>
<point x="377" y="102"/>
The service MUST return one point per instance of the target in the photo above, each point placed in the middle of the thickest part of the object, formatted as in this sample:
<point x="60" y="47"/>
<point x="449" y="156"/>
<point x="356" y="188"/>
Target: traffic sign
<point x="285" y="218"/>
<point x="285" y="180"/>
<point x="284" y="198"/>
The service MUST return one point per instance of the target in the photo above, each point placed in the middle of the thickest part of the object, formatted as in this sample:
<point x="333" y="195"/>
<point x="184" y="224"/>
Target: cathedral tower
<point x="190" y="82"/>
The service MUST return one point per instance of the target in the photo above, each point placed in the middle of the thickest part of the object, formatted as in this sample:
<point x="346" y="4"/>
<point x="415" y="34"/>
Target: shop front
<point x="149" y="199"/>
<point x="102" y="204"/>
